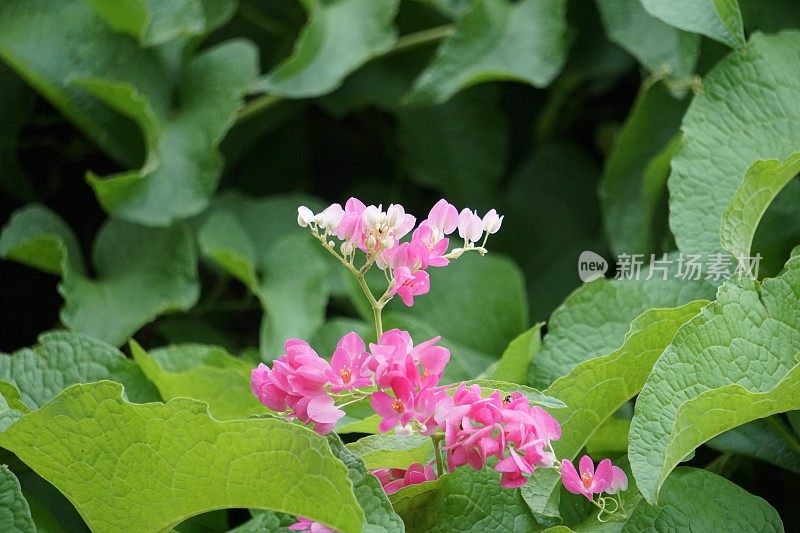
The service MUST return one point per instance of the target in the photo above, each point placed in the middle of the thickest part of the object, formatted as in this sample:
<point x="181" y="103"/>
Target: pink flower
<point x="351" y="225"/>
<point x="443" y="217"/>
<point x="436" y="247"/>
<point x="433" y="360"/>
<point x="408" y="284"/>
<point x="470" y="226"/>
<point x="513" y="467"/>
<point x="397" y="410"/>
<point x="389" y="355"/>
<point x="394" y="479"/>
<point x="305" y="524"/>
<point x="349" y="364"/>
<point x="398" y="224"/>
<point x="297" y="383"/>
<point x="619" y="481"/>
<point x="332" y="217"/>
<point x="412" y="255"/>
<point x="590" y="481"/>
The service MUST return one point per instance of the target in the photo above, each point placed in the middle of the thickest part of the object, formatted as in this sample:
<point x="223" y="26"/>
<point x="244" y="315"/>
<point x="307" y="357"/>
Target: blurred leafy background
<point x="152" y="155"/>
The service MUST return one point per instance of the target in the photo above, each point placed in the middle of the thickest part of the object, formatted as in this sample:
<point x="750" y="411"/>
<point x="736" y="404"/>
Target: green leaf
<point x="722" y="141"/>
<point x="477" y="304"/>
<point x="636" y="170"/>
<point x="760" y="439"/>
<point x="183" y="163"/>
<point x="595" y="389"/>
<point x="15" y="515"/>
<point x="340" y="36"/>
<point x="111" y="78"/>
<point x="720" y="20"/>
<point x="61" y="359"/>
<point x="155" y="22"/>
<point x="733" y="363"/>
<point x="466" y="500"/>
<point x="155" y="465"/>
<point x="378" y="512"/>
<point x="258" y="241"/>
<point x="761" y="184"/>
<point x="497" y="40"/>
<point x="140" y="272"/>
<point x="697" y="500"/>
<point x="609" y="437"/>
<point x="659" y="47"/>
<point x="223" y="383"/>
<point x="392" y="451"/>
<point x="593" y="320"/>
<point x="328" y="335"/>
<point x="459" y="147"/>
<point x="513" y="365"/>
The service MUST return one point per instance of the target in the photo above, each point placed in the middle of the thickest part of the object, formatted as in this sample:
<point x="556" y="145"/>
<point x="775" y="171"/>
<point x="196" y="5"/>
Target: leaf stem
<point x="437" y="452"/>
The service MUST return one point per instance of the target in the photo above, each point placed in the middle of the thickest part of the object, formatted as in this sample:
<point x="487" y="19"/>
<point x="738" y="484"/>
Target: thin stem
<point x="437" y="452"/>
<point x="256" y="106"/>
<point x="783" y="431"/>
<point x="376" y="315"/>
<point x="413" y="40"/>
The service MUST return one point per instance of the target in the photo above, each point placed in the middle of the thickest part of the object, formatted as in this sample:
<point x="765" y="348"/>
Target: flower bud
<point x="332" y="216"/>
<point x="470" y="226"/>
<point x="404" y="431"/>
<point x="347" y="248"/>
<point x="372" y="217"/>
<point x="304" y="216"/>
<point x="492" y="222"/>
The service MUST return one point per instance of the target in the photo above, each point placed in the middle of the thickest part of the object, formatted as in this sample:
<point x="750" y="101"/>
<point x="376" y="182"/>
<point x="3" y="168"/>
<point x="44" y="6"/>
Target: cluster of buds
<point x="468" y="425"/>
<point x="378" y="233"/>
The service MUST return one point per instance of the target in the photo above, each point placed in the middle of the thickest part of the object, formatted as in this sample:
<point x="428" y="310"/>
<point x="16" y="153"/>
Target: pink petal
<point x="602" y="476"/>
<point x="571" y="480"/>
<point x="321" y="409"/>
<point x="586" y="466"/>
<point x="382" y="403"/>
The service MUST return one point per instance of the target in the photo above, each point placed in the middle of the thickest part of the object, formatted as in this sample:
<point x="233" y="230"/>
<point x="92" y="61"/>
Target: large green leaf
<point x="61" y="359"/>
<point x="719" y="19"/>
<point x="593" y="321"/>
<point x="697" y="500"/>
<point x="497" y="40"/>
<point x="339" y="37"/>
<point x="392" y="451"/>
<point x="733" y="363"/>
<point x="459" y="147"/>
<point x="140" y="272"/>
<point x="15" y="515"/>
<point x="154" y="465"/>
<point x="379" y="516"/>
<point x="217" y="378"/>
<point x="636" y="170"/>
<point x="477" y="305"/>
<point x="595" y="389"/>
<point x="183" y="111"/>
<point x="513" y="365"/>
<point x="761" y="184"/>
<point x="661" y="48"/>
<point x="722" y="140"/>
<point x="463" y="501"/>
<point x="259" y="242"/>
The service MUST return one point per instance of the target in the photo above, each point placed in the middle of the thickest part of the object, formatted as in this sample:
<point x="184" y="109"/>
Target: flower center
<point x="397" y="405"/>
<point x="586" y="477"/>
<point x="346" y="374"/>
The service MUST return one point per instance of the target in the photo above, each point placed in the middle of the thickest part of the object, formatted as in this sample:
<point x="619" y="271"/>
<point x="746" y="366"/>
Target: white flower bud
<point x="332" y="216"/>
<point x="404" y="431"/>
<point x="304" y="216"/>
<point x="372" y="217"/>
<point x="492" y="222"/>
<point x="470" y="226"/>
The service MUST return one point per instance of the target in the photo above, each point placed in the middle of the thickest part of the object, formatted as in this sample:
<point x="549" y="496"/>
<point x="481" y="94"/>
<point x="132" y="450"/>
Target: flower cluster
<point x="467" y="425"/>
<point x="378" y="233"/>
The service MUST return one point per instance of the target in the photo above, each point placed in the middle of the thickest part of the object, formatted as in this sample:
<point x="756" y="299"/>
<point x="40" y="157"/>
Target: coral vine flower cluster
<point x="468" y="426"/>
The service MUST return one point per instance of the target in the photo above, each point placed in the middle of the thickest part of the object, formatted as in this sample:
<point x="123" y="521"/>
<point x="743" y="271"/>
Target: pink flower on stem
<point x="470" y="226"/>
<point x="318" y="410"/>
<point x="443" y="217"/>
<point x="396" y="479"/>
<point x="351" y="224"/>
<point x="408" y="284"/>
<point x="590" y="481"/>
<point x="513" y="467"/>
<point x="305" y="524"/>
<point x="619" y="481"/>
<point x="397" y="410"/>
<point x="349" y="364"/>
<point x="435" y="245"/>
